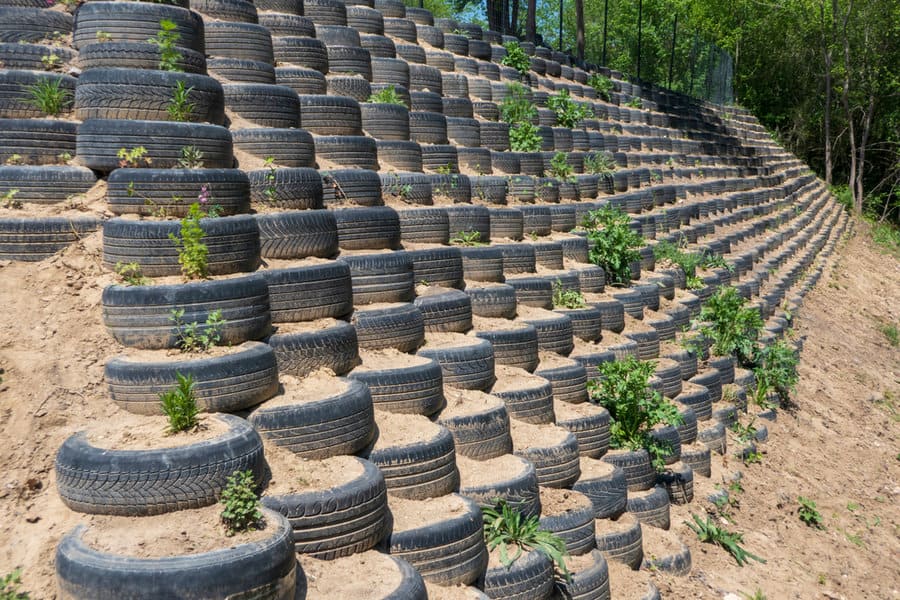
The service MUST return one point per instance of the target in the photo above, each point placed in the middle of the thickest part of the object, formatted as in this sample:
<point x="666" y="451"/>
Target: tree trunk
<point x="579" y="30"/>
<point x="514" y="18"/>
<point x="845" y="100"/>
<point x="864" y="140"/>
<point x="826" y="50"/>
<point x="494" y="14"/>
<point x="530" y="25"/>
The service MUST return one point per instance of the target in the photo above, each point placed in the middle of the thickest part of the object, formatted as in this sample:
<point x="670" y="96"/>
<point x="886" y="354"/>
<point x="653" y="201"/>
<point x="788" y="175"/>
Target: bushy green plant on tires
<point x="560" y="168"/>
<point x="192" y="252"/>
<point x="707" y="531"/>
<point x="775" y="371"/>
<point x="603" y="85"/>
<point x="241" y="512"/>
<point x="612" y="244"/>
<point x="179" y="404"/>
<point x="518" y="110"/>
<point x="568" y="112"/>
<point x="516" y="58"/>
<point x="733" y="327"/>
<point x="49" y="97"/>
<point x="9" y="586"/>
<point x="505" y="526"/>
<point x="387" y="95"/>
<point x="634" y="407"/>
<point x="166" y="41"/>
<point x="194" y="336"/>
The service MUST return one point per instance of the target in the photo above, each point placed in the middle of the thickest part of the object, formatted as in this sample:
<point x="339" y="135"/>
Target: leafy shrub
<point x="518" y="110"/>
<point x="634" y="103"/>
<point x="196" y="337"/>
<point x="505" y="526"/>
<point x="467" y="238"/>
<point x="568" y="112"/>
<point x="9" y="586"/>
<point x="567" y="298"/>
<point x="179" y="404"/>
<point x="191" y="158"/>
<point x="809" y="513"/>
<point x="612" y="243"/>
<point x="603" y="85"/>
<point x="8" y="199"/>
<point x="599" y="163"/>
<point x="633" y="406"/>
<point x="49" y="97"/>
<point x="731" y="326"/>
<point x="560" y="168"/>
<point x="388" y="95"/>
<point x="775" y="372"/>
<point x="516" y="58"/>
<point x="179" y="108"/>
<point x="134" y="158"/>
<point x="524" y="137"/>
<point x="707" y="531"/>
<point x="165" y="40"/>
<point x="241" y="512"/>
<point x="192" y="252"/>
<point x="131" y="273"/>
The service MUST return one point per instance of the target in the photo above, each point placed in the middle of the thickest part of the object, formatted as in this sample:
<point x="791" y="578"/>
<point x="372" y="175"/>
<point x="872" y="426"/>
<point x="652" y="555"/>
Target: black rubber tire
<point x="427" y="127"/>
<point x="309" y="293"/>
<point x="556" y="465"/>
<point x="99" y="141"/>
<point x="147" y="191"/>
<point x="697" y="457"/>
<point x="143" y="94"/>
<point x="15" y="95"/>
<point x="482" y="263"/>
<point x="351" y="186"/>
<point x="450" y="310"/>
<point x="390" y="71"/>
<point x="297" y="234"/>
<point x="150" y="482"/>
<point x="241" y="70"/>
<point x="687" y="431"/>
<point x="569" y="383"/>
<point x="45" y="185"/>
<point x="468" y="366"/>
<point x="467" y="218"/>
<point x="712" y="435"/>
<point x="134" y="23"/>
<point x="481" y="435"/>
<point x="533" y="291"/>
<point x="678" y="481"/>
<point x="339" y="521"/>
<point x="415" y="389"/>
<point x="438" y="266"/>
<point x="426" y="226"/>
<point x="404" y="156"/>
<point x="639" y="473"/>
<point x="36" y="141"/>
<point x="678" y="563"/>
<point x="340" y="424"/>
<point x="507" y="223"/>
<point x="300" y="51"/>
<point x="325" y="12"/>
<point x="591" y="431"/>
<point x="386" y="277"/>
<point x="697" y="398"/>
<point x="264" y="105"/>
<point x="284" y="23"/>
<point x="647" y="343"/>
<point x="624" y="546"/>
<point x="221" y="384"/>
<point x="350" y="151"/>
<point x="28" y="56"/>
<point x="574" y="526"/>
<point x="612" y="315"/>
<point x="650" y="507"/>
<point x="586" y="322"/>
<point x="449" y="552"/>
<point x="590" y="583"/>
<point x="709" y="378"/>
<point x="608" y="493"/>
<point x="299" y="354"/>
<point x="368" y="228"/>
<point x="23" y="24"/>
<point x="385" y="121"/>
<point x="36" y="239"/>
<point x="400" y="326"/>
<point x="295" y="188"/>
<point x="330" y="115"/>
<point x="493" y="301"/>
<point x="302" y="80"/>
<point x="515" y="347"/>
<point x="238" y="11"/>
<point x="420" y="470"/>
<point x="134" y="55"/>
<point x="530" y="577"/>
<point x="554" y="333"/>
<point x="266" y="569"/>
<point x="140" y="316"/>
<point x="378" y="45"/>
<point x="233" y="244"/>
<point x="365" y="19"/>
<point x="350" y="61"/>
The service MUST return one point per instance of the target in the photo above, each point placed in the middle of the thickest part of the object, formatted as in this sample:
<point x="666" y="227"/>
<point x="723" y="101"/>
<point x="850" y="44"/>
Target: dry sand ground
<point x="839" y="447"/>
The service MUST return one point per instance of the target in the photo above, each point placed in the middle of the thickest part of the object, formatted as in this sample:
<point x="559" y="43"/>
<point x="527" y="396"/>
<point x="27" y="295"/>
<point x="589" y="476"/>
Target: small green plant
<point x="524" y="137"/>
<point x="448" y="169"/>
<point x="634" y="407"/>
<point x="599" y="163"/>
<point x="179" y="108"/>
<point x="103" y="36"/>
<point x="603" y="85"/>
<point x="707" y="531"/>
<point x="731" y="326"/>
<point x="504" y="526"/>
<point x="64" y="157"/>
<point x="387" y="95"/>
<point x="9" y="586"/>
<point x="563" y="298"/>
<point x="8" y="199"/>
<point x="634" y="103"/>
<point x="192" y="252"/>
<point x="179" y="405"/>
<point x="568" y="112"/>
<point x="131" y="273"/>
<point x="194" y="336"/>
<point x="775" y="372"/>
<point x="757" y="595"/>
<point x="752" y="457"/>
<point x="693" y="282"/>
<point x="744" y="433"/>
<point x="560" y="168"/>
<point x="516" y="58"/>
<point x="49" y="97"/>
<point x="271" y="191"/>
<point x="467" y="238"/>
<point x="892" y="333"/>
<point x="51" y="62"/>
<point x="241" y="512"/>
<point x="15" y="159"/>
<point x="165" y="40"/>
<point x="191" y="158"/>
<point x="134" y="158"/>
<point x="809" y="513"/>
<point x="612" y="243"/>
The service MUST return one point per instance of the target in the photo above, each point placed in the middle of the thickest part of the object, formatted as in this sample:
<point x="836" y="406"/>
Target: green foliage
<point x="612" y="243"/>
<point x="694" y="282"/>
<point x="633" y="406"/>
<point x="194" y="336"/>
<point x="775" y="372"/>
<point x="179" y="404"/>
<point x="707" y="531"/>
<point x="134" y="158"/>
<point x="241" y="512"/>
<point x="634" y="103"/>
<point x="8" y="199"/>
<point x="560" y="168"/>
<point x="165" y="40"/>
<point x="448" y="169"/>
<point x="602" y="84"/>
<point x="524" y="137"/>
<point x="891" y="332"/>
<point x="51" y="62"/>
<point x="192" y="252"/>
<point x="467" y="238"/>
<point x="517" y="107"/>
<point x="563" y="298"/>
<point x="387" y="95"/>
<point x="568" y="112"/>
<point x="48" y="96"/>
<point x="103" y="36"/>
<point x="505" y="526"/>
<point x="131" y="273"/>
<point x="191" y="158"/>
<point x="744" y="433"/>
<point x="180" y="108"/>
<point x="271" y="191"/>
<point x="516" y="58"/>
<point x="731" y="326"/>
<point x="675" y="254"/>
<point x="809" y="513"/>
<point x="599" y="163"/>
<point x="887" y="236"/>
<point x="9" y="586"/>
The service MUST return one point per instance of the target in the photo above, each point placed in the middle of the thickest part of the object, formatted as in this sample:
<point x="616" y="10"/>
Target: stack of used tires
<point x="37" y="132"/>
